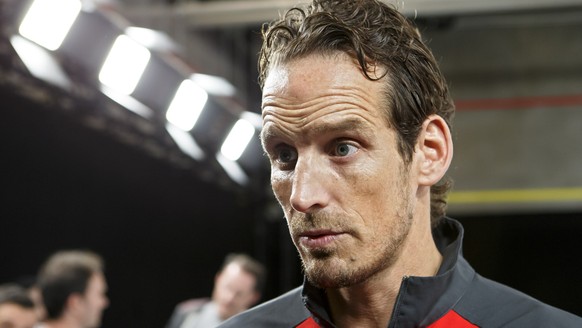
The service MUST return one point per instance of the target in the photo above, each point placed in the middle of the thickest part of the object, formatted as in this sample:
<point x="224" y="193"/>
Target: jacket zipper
<point x="403" y="285"/>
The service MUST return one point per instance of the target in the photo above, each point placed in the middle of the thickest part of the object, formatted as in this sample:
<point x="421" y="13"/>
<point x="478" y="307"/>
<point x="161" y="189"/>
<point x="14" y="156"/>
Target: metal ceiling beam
<point x="249" y="12"/>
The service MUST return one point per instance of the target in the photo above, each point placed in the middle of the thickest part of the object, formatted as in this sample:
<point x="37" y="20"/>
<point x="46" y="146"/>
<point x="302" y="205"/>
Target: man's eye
<point x="344" y="149"/>
<point x="286" y="155"/>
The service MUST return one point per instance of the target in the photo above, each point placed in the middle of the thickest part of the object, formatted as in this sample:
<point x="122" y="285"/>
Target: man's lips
<point x="319" y="238"/>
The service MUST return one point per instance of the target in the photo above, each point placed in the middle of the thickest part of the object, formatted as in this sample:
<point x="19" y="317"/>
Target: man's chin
<point x="226" y="313"/>
<point x="322" y="282"/>
<point x="334" y="272"/>
<point x="324" y="272"/>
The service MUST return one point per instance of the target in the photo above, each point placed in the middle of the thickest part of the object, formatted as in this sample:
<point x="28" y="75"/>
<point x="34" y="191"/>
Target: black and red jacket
<point x="457" y="297"/>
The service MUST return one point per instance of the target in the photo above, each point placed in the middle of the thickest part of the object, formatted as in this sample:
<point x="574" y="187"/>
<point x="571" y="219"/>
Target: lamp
<point x="185" y="108"/>
<point x="47" y="22"/>
<point x="124" y="65"/>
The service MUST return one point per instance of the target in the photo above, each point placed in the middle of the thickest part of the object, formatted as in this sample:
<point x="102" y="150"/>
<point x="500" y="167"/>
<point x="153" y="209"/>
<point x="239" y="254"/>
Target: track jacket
<point x="456" y="297"/>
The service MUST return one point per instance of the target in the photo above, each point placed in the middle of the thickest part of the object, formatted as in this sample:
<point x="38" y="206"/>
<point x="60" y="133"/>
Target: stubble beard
<point x="325" y="269"/>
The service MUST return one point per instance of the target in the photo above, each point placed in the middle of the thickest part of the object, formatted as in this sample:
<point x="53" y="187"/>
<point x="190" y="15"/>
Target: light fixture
<point x="141" y="70"/>
<point x="124" y="65"/>
<point x="241" y="154"/>
<point x="185" y="108"/>
<point x="237" y="140"/>
<point x="39" y="62"/>
<point x="47" y="22"/>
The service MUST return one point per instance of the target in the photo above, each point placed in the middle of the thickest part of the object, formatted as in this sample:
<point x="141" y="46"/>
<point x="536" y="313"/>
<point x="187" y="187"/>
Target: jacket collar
<point x="421" y="300"/>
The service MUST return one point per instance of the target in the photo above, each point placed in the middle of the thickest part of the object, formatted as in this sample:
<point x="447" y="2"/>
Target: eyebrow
<point x="323" y="128"/>
<point x="345" y="125"/>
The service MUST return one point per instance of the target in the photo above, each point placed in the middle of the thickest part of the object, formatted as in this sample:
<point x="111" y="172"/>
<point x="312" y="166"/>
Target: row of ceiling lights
<point x="139" y="70"/>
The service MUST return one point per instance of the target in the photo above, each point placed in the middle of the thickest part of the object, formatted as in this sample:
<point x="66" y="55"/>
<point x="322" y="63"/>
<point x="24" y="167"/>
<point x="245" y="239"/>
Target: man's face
<point x="335" y="168"/>
<point x="94" y="301"/>
<point x="234" y="291"/>
<point x="16" y="316"/>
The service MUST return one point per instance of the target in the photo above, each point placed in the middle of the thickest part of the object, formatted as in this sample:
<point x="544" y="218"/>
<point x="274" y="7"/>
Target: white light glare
<point x="185" y="142"/>
<point x="187" y="105"/>
<point x="124" y="65"/>
<point x="237" y="140"/>
<point x="47" y="22"/>
<point x="214" y="85"/>
<point x="234" y="171"/>
<point x="128" y="102"/>
<point x="40" y="62"/>
<point x="152" y="39"/>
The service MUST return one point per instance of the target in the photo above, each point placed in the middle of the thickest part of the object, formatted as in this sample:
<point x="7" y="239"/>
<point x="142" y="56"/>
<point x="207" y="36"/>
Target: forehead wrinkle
<point x="290" y="108"/>
<point x="296" y="115"/>
<point x="273" y="131"/>
<point x="355" y="92"/>
<point x="362" y="126"/>
<point x="344" y="98"/>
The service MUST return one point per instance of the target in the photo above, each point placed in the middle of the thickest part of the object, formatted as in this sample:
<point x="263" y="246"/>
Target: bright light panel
<point x="47" y="22"/>
<point x="237" y="140"/>
<point x="124" y="65"/>
<point x="40" y="62"/>
<point x="187" y="105"/>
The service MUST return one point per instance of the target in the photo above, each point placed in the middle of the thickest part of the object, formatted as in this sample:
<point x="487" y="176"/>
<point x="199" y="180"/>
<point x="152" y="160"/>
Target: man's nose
<point x="310" y="184"/>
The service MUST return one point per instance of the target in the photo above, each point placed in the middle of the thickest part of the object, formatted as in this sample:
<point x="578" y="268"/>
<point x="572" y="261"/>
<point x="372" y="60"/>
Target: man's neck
<point x="370" y="303"/>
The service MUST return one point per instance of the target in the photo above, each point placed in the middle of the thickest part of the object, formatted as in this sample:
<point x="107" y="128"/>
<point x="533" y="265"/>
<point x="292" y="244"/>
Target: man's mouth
<point x="319" y="238"/>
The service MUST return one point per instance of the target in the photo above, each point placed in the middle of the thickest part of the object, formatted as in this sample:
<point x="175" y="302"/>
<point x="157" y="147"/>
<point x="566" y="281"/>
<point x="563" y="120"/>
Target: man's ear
<point x="435" y="150"/>
<point x="74" y="302"/>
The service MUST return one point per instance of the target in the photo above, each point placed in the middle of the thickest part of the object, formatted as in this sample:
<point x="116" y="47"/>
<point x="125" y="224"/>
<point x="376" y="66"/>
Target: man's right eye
<point x="285" y="155"/>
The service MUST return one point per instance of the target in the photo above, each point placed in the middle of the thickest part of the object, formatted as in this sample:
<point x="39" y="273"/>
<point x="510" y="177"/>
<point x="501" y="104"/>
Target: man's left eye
<point x="344" y="149"/>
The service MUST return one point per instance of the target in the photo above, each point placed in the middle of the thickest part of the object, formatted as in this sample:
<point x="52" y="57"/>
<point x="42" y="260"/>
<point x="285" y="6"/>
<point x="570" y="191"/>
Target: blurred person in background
<point x="73" y="290"/>
<point x="36" y="297"/>
<point x="237" y="287"/>
<point x="16" y="308"/>
<point x="28" y="282"/>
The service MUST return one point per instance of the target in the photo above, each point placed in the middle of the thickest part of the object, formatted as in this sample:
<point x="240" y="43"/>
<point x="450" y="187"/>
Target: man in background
<point x="16" y="308"/>
<point x="73" y="290"/>
<point x="237" y="287"/>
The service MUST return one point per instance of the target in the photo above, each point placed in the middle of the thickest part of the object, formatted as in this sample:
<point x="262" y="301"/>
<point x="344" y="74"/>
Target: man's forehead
<point x="296" y="75"/>
<point x="306" y="77"/>
<point x="277" y="78"/>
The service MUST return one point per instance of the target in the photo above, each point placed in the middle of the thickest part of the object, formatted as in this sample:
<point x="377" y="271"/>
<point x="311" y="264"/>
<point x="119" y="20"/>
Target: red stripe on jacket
<point x="452" y="320"/>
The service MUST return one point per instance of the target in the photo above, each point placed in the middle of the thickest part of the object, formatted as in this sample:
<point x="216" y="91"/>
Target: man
<point x="16" y="308"/>
<point x="356" y="124"/>
<point x="73" y="289"/>
<point x="237" y="287"/>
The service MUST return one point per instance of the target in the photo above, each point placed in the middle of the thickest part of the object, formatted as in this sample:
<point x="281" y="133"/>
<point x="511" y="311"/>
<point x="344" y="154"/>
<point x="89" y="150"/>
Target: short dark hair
<point x="250" y="265"/>
<point x="15" y="294"/>
<point x="376" y="35"/>
<point x="66" y="273"/>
